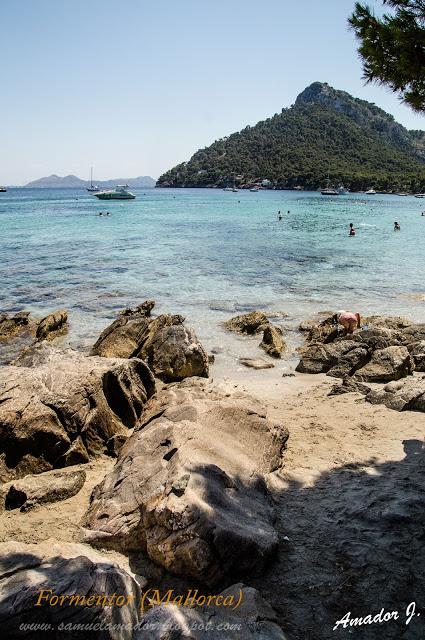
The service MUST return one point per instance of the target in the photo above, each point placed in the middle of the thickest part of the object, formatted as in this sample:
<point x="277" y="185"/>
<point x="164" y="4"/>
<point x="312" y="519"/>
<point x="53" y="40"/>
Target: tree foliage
<point x="392" y="48"/>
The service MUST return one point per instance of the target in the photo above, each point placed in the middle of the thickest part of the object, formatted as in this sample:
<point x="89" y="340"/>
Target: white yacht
<point x="119" y="193"/>
<point x="3" y="189"/>
<point x="370" y="192"/>
<point x="420" y="195"/>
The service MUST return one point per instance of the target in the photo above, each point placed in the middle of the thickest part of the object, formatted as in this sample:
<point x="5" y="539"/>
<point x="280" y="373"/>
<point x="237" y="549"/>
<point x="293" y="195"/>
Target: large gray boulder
<point x="252" y="619"/>
<point x="50" y="486"/>
<point x="60" y="585"/>
<point x="188" y="487"/>
<point x="391" y="363"/>
<point x="401" y="395"/>
<point x="172" y="350"/>
<point x="60" y="407"/>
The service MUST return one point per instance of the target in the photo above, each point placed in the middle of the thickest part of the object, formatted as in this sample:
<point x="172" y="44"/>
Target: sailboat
<point x="92" y="188"/>
<point x="329" y="191"/>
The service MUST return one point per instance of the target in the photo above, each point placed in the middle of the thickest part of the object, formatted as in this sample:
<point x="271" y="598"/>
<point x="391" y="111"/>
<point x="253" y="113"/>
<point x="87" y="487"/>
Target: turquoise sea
<point x="209" y="254"/>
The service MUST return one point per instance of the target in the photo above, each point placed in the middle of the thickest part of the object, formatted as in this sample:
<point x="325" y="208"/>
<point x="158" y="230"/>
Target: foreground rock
<point x="401" y="395"/>
<point x="33" y="490"/>
<point x="60" y="407"/>
<point x="64" y="571"/>
<point x="253" y="619"/>
<point x="172" y="350"/>
<point x="189" y="488"/>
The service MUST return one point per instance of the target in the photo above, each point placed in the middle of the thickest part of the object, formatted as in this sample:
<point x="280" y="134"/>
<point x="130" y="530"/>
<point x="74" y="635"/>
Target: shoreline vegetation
<point x="135" y="458"/>
<point x="326" y="134"/>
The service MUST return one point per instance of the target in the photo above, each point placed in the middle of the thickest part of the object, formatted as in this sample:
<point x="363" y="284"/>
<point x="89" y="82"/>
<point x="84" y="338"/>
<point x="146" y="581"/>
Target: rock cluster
<point x="188" y="486"/>
<point x="59" y="407"/>
<point x="257" y="322"/>
<point x="384" y="349"/>
<point x="172" y="350"/>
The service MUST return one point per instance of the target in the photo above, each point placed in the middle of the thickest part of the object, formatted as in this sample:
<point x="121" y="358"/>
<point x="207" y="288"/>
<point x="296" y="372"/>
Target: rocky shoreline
<point x="189" y="495"/>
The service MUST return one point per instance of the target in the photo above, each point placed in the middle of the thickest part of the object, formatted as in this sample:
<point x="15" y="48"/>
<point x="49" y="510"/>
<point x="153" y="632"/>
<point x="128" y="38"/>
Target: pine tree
<point x="393" y="48"/>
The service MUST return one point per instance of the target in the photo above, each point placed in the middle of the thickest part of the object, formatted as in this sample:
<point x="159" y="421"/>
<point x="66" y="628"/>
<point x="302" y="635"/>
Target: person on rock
<point x="347" y="319"/>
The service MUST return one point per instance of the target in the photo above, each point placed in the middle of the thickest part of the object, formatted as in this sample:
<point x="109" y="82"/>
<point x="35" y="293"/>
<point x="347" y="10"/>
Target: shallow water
<point x="209" y="254"/>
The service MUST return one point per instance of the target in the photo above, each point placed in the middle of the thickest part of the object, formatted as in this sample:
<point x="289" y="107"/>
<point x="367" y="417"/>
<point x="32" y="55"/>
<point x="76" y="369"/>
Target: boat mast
<point x="91" y="176"/>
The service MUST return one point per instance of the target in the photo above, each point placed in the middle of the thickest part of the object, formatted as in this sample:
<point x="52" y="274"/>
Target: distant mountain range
<point x="325" y="132"/>
<point x="71" y="182"/>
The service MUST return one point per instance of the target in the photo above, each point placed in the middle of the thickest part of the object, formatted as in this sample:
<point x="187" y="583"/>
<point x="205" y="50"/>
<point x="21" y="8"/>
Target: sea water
<point x="209" y="254"/>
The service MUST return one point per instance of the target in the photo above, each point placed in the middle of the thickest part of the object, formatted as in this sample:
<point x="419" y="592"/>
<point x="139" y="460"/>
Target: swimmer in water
<point x="352" y="231"/>
<point x="279" y="215"/>
<point x="348" y="320"/>
<point x="396" y="226"/>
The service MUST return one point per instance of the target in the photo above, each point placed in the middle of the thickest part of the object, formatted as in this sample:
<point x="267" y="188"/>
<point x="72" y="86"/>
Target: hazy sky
<point x="134" y="87"/>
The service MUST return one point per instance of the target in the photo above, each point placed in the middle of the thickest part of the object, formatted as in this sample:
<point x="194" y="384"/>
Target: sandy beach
<point x="346" y="461"/>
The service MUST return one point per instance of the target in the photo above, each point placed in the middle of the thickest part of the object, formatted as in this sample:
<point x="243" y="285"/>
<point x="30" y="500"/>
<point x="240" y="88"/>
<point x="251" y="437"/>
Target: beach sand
<point x="344" y="457"/>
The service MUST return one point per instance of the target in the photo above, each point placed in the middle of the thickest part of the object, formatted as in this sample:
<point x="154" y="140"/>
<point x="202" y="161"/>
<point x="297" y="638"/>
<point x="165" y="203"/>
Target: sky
<point x="136" y="86"/>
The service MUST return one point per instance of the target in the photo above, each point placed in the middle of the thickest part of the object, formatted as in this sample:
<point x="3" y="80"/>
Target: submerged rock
<point x="52" y="325"/>
<point x="253" y="619"/>
<point x="172" y="350"/>
<point x="256" y="363"/>
<point x="249" y="323"/>
<point x="58" y="573"/>
<point x="10" y="325"/>
<point x="59" y="407"/>
<point x="50" y="486"/>
<point x="188" y="486"/>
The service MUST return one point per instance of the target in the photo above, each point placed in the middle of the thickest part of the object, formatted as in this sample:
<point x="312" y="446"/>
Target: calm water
<point x="209" y="254"/>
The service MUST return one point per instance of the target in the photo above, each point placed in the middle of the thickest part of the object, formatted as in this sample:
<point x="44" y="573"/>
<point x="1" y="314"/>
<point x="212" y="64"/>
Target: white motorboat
<point x="119" y="193"/>
<point x="370" y="192"/>
<point x="3" y="189"/>
<point x="419" y="195"/>
<point x="329" y="192"/>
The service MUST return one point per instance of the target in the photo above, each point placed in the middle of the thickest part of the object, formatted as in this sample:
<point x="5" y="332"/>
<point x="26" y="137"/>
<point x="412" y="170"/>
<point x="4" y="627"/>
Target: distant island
<point x="71" y="182"/>
<point x="326" y="132"/>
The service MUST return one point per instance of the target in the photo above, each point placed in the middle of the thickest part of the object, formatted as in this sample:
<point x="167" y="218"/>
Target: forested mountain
<point x="326" y="130"/>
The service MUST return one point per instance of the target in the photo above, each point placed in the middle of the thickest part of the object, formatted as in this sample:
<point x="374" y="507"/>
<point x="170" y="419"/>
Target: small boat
<point x="370" y="192"/>
<point x="329" y="192"/>
<point x="3" y="189"/>
<point x="119" y="193"/>
<point x="419" y="195"/>
<point x="235" y="190"/>
<point x="92" y="188"/>
<point x="255" y="189"/>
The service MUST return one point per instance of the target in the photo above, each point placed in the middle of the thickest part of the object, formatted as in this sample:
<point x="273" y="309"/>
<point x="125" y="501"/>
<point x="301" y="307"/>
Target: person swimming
<point x="352" y="231"/>
<point x="279" y="215"/>
<point x="396" y="226"/>
<point x="348" y="320"/>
